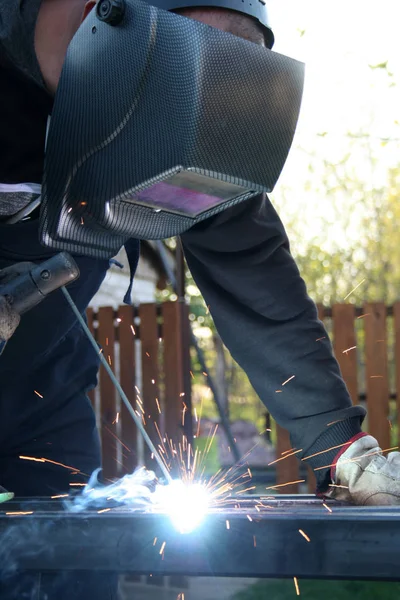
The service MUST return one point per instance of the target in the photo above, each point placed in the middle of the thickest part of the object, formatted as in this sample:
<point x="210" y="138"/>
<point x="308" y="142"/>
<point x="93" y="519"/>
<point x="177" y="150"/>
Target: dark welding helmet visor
<point x="159" y="122"/>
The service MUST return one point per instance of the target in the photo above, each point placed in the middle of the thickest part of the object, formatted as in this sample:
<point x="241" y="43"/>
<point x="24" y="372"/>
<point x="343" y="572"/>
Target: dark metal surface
<point x="349" y="542"/>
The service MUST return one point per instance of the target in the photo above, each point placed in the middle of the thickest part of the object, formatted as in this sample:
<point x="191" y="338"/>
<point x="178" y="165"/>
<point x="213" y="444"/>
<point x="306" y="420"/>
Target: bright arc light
<point x="185" y="503"/>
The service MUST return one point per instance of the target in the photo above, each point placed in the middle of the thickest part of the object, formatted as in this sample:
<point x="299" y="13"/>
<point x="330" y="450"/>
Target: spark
<point x="249" y="518"/>
<point x="191" y="374"/>
<point x="181" y="596"/>
<point x="48" y="460"/>
<point x="32" y="458"/>
<point x="254" y="541"/>
<point x="205" y="374"/>
<point x="148" y="355"/>
<point x="133" y="330"/>
<point x="20" y="512"/>
<point x="69" y="210"/>
<point x="154" y="541"/>
<point x="106" y="341"/>
<point x="153" y="381"/>
<point x="376" y="376"/>
<point x="37" y="394"/>
<point x="327" y="507"/>
<point x="272" y="487"/>
<point x="109" y="360"/>
<point x="158" y="406"/>
<point x="227" y="524"/>
<point x="182" y="394"/>
<point x="82" y="221"/>
<point x="59" y="496"/>
<point x="287" y="380"/>
<point x="162" y="547"/>
<point x="78" y="484"/>
<point x="327" y="450"/>
<point x="364" y="315"/>
<point x="354" y="289"/>
<point x="321" y="338"/>
<point x="119" y="320"/>
<point x="286" y="456"/>
<point x="336" y="485"/>
<point x="249" y="472"/>
<point x="355" y="458"/>
<point x="195" y="415"/>
<point x="278" y="391"/>
<point x="296" y="585"/>
<point x="348" y="349"/>
<point x="103" y="510"/>
<point x="305" y="536"/>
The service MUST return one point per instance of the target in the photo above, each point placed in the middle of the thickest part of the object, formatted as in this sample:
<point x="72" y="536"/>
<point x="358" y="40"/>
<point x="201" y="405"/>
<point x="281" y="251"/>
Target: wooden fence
<point x="148" y="348"/>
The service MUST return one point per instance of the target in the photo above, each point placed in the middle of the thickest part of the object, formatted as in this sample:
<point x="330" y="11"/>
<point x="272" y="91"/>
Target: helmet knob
<point x="111" y="11"/>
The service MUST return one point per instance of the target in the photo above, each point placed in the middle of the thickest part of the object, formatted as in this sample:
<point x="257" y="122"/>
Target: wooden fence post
<point x="377" y="384"/>
<point x="344" y="343"/>
<point x="127" y="379"/>
<point x="150" y="370"/>
<point x="108" y="411"/>
<point x="178" y="414"/>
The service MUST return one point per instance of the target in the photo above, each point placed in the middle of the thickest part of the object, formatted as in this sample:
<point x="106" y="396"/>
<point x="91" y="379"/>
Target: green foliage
<point x="282" y="589"/>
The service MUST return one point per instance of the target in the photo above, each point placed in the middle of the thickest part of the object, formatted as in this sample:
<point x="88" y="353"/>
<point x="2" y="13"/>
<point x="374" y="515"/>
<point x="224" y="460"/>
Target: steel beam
<point x="241" y="541"/>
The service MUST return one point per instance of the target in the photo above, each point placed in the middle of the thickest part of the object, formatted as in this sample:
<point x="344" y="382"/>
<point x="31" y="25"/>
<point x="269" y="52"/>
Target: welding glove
<point x="4" y="495"/>
<point x="9" y="318"/>
<point x="365" y="475"/>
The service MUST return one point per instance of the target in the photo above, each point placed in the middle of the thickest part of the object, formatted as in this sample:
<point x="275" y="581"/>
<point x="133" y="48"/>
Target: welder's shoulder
<point x="17" y="31"/>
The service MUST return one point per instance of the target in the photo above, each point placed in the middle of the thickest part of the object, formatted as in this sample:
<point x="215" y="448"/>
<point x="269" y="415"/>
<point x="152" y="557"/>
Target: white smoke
<point x="135" y="490"/>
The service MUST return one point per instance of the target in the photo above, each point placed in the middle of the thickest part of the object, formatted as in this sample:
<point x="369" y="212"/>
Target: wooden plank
<point x="287" y="470"/>
<point x="127" y="380"/>
<point x="90" y="322"/>
<point x="150" y="374"/>
<point x="377" y="384"/>
<point x="177" y="412"/>
<point x="108" y="411"/>
<point x="344" y="343"/>
<point x="396" y="316"/>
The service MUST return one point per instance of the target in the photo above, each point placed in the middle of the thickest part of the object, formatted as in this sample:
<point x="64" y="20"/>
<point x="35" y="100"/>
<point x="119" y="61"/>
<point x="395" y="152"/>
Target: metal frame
<point x="347" y="543"/>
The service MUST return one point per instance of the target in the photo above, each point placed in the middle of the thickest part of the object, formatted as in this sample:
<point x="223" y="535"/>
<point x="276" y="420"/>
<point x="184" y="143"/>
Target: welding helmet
<point x="161" y="121"/>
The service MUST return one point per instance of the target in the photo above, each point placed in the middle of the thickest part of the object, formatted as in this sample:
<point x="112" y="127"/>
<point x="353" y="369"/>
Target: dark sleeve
<point x="242" y="264"/>
<point x="17" y="35"/>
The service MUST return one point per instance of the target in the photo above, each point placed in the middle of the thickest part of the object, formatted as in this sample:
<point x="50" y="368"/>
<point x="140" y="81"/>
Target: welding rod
<point x="121" y="392"/>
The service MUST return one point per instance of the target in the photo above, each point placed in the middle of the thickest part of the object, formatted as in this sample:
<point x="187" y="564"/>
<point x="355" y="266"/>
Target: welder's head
<point x="66" y="16"/>
<point x="162" y="120"/>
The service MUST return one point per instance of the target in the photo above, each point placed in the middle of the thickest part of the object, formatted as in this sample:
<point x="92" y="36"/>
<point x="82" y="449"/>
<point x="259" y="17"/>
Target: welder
<point x="92" y="192"/>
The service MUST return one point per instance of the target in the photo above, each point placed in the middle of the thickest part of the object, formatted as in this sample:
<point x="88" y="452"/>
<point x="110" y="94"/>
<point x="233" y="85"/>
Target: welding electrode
<point x="117" y="385"/>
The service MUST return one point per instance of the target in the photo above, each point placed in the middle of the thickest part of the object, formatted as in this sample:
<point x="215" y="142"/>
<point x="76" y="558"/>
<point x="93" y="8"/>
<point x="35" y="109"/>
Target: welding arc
<point x="116" y="383"/>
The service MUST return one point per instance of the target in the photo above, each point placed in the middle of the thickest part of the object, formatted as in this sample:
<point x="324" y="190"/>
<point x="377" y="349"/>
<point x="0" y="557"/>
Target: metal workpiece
<point x="280" y="537"/>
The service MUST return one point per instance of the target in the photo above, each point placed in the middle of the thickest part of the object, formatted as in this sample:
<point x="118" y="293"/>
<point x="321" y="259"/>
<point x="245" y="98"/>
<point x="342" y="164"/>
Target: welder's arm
<point x="242" y="264"/>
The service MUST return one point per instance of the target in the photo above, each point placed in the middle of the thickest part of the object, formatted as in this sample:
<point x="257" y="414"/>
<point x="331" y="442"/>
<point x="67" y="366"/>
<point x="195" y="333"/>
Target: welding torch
<point x="26" y="284"/>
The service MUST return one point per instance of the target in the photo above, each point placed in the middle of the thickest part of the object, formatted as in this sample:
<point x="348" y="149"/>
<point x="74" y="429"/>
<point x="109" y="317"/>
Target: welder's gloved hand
<point x="367" y="476"/>
<point x="4" y="495"/>
<point x="9" y="318"/>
